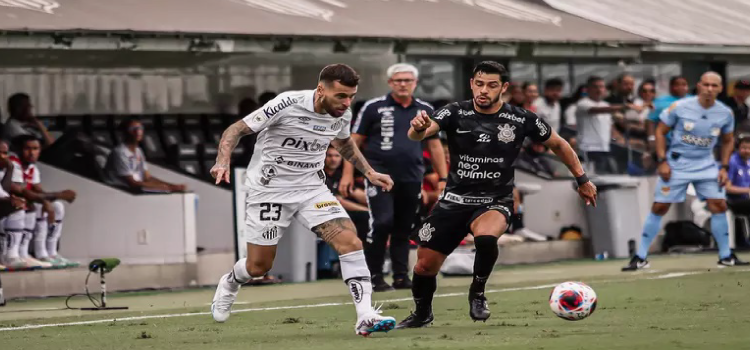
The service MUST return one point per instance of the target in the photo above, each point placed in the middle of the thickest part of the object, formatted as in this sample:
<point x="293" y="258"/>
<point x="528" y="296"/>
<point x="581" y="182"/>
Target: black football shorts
<point x="449" y="223"/>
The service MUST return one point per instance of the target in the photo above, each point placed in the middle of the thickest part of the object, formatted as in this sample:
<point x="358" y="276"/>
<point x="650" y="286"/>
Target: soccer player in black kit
<point x="484" y="138"/>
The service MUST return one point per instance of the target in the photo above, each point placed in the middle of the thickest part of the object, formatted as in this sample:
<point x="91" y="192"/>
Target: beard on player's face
<point x="487" y="102"/>
<point x="334" y="109"/>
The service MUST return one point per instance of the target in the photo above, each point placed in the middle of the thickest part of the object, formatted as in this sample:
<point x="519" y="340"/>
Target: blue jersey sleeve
<point x="669" y="116"/>
<point x="728" y="126"/>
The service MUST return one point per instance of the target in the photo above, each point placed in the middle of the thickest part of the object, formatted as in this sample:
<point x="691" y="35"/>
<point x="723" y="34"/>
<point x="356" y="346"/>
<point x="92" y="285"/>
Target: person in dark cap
<point x="739" y="106"/>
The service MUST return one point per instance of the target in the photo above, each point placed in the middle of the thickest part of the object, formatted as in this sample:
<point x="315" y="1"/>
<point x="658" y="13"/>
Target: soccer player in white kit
<point x="285" y="180"/>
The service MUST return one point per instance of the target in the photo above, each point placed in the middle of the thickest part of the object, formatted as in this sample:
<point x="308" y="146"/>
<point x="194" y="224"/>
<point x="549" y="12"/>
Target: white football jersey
<point x="292" y="142"/>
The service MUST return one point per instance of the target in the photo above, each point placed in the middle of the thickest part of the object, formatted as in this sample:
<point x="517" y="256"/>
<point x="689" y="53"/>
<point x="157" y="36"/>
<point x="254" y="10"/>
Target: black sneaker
<point x="732" y="260"/>
<point x="414" y="320"/>
<point x="402" y="283"/>
<point x="636" y="263"/>
<point x="478" y="309"/>
<point x="379" y="284"/>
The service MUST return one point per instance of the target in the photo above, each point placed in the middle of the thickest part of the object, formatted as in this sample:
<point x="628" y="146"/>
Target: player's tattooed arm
<point x="329" y="230"/>
<point x="229" y="140"/>
<point x="349" y="151"/>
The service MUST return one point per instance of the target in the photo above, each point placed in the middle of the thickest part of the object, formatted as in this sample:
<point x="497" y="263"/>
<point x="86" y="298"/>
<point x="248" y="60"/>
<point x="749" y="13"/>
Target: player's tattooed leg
<point x="329" y="230"/>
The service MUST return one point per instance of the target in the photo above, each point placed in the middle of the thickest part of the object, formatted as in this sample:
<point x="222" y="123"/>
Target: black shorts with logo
<point x="450" y="222"/>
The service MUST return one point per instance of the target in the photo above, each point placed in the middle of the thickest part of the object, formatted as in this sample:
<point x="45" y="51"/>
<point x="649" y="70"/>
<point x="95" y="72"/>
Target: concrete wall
<point x="137" y="229"/>
<point x="558" y="205"/>
<point x="215" y="223"/>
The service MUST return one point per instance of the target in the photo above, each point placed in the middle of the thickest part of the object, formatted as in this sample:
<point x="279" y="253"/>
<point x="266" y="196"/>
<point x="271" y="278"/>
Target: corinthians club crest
<point x="506" y="133"/>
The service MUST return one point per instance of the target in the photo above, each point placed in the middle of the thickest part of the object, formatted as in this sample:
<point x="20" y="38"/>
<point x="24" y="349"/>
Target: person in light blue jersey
<point x="678" y="89"/>
<point x="697" y="124"/>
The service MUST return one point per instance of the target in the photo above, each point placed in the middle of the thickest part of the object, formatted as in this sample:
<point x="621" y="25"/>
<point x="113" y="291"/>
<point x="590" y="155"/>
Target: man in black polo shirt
<point x="381" y="127"/>
<point x="739" y="107"/>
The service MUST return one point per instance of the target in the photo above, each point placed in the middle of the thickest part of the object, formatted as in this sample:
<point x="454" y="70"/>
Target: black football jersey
<point x="483" y="149"/>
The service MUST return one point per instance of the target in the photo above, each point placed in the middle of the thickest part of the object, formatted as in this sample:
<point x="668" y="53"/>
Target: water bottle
<point x="602" y="256"/>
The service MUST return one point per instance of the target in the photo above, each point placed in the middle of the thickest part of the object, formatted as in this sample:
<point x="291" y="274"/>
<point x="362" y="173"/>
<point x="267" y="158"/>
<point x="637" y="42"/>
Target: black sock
<point x="484" y="262"/>
<point x="423" y="288"/>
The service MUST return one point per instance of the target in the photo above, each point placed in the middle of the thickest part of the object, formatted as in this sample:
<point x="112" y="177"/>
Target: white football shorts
<point x="268" y="214"/>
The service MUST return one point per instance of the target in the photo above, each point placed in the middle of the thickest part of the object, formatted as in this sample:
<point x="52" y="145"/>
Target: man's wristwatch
<point x="443" y="179"/>
<point x="725" y="167"/>
<point x="660" y="160"/>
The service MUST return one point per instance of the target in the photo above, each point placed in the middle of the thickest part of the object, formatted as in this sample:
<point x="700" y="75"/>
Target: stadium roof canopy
<point x="676" y="25"/>
<point x="499" y="21"/>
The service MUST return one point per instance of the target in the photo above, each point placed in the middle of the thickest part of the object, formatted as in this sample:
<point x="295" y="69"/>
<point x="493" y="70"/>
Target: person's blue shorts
<point x="674" y="190"/>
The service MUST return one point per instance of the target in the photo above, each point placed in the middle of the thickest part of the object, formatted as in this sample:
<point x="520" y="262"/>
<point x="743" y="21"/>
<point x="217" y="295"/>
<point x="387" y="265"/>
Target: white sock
<point x="55" y="230"/>
<point x="40" y="239"/>
<point x="14" y="225"/>
<point x="14" y="244"/>
<point x="28" y="233"/>
<point x="356" y="275"/>
<point x="23" y="249"/>
<point x="239" y="273"/>
<point x="53" y="238"/>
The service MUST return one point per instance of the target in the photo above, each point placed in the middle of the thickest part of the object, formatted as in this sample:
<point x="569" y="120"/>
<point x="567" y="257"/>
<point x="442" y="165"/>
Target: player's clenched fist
<point x="421" y="122"/>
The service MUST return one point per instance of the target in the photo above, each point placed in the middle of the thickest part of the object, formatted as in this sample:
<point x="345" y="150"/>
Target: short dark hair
<point x="491" y="67"/>
<point x="19" y="141"/>
<point x="126" y="123"/>
<point x="744" y="138"/>
<point x="553" y="83"/>
<point x="527" y="84"/>
<point x="266" y="96"/>
<point x="673" y="80"/>
<point x="246" y="106"/>
<point x="15" y="100"/>
<point x="593" y="79"/>
<point x="340" y="72"/>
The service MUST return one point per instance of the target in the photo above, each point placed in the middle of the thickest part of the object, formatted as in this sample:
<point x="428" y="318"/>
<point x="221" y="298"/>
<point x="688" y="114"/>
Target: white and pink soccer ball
<point x="572" y="301"/>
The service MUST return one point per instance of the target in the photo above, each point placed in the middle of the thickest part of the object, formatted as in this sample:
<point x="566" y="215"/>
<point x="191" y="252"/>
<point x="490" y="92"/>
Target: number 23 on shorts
<point x="270" y="211"/>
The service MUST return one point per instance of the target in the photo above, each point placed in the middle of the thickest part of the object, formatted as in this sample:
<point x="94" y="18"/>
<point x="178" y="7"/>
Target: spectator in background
<point x="333" y="168"/>
<point x="627" y="125"/>
<point x="739" y="106"/>
<point x="22" y="121"/>
<point x="530" y="94"/>
<point x="264" y="98"/>
<point x="382" y="126"/>
<point x="514" y="95"/>
<point x="43" y="220"/>
<point x="548" y="106"/>
<point x="126" y="165"/>
<point x="431" y="87"/>
<point x="594" y="124"/>
<point x="738" y="187"/>
<point x="678" y="89"/>
<point x="11" y="205"/>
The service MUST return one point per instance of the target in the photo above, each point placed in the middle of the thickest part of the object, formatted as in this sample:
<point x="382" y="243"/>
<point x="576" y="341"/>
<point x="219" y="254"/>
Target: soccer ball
<point x="572" y="301"/>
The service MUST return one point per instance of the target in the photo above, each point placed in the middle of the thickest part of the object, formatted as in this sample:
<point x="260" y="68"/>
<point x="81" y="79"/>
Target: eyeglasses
<point x="135" y="128"/>
<point x="402" y="81"/>
<point x="649" y="90"/>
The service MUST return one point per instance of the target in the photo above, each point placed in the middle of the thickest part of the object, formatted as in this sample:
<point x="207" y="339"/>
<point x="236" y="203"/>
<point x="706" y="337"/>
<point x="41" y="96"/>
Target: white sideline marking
<point x="310" y="306"/>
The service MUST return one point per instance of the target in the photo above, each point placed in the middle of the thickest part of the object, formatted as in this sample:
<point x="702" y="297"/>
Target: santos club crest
<point x="506" y="133"/>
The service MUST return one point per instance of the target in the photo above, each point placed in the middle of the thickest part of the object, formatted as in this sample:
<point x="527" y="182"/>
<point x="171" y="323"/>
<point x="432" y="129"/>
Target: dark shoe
<point x="636" y="263"/>
<point x="478" y="309"/>
<point x="416" y="321"/>
<point x="379" y="284"/>
<point x="732" y="260"/>
<point x="402" y="283"/>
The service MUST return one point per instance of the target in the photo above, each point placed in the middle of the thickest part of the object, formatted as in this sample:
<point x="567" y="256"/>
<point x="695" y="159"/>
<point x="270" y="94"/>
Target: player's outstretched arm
<point x="422" y="127"/>
<point x="229" y="140"/>
<point x="567" y="155"/>
<point x="349" y="151"/>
